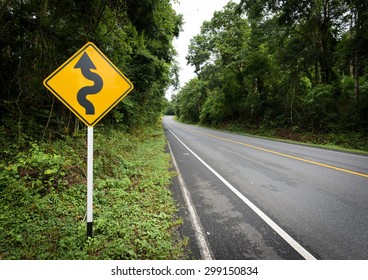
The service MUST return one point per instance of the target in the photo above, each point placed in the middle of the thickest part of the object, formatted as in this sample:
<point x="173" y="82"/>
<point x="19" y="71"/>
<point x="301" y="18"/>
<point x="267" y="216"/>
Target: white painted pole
<point x="89" y="180"/>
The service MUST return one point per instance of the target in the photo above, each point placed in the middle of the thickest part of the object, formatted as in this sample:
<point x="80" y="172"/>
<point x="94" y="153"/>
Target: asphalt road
<point x="259" y="199"/>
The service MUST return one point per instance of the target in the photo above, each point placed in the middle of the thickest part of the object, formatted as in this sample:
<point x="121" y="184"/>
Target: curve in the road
<point x="281" y="154"/>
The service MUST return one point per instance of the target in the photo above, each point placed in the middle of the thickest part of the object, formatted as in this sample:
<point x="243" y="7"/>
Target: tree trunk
<point x="356" y="76"/>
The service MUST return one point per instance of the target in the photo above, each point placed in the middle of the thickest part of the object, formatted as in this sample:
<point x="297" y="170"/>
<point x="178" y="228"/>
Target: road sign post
<point x="89" y="181"/>
<point x="90" y="85"/>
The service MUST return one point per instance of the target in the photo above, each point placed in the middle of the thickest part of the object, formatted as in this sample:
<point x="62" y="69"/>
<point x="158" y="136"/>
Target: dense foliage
<point x="43" y="145"/>
<point x="36" y="36"/>
<point x="43" y="200"/>
<point x="296" y="65"/>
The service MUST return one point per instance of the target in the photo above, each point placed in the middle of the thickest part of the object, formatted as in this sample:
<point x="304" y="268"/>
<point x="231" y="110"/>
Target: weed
<point x="43" y="200"/>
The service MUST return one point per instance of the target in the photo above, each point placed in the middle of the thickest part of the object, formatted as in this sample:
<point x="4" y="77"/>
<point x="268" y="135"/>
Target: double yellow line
<point x="280" y="154"/>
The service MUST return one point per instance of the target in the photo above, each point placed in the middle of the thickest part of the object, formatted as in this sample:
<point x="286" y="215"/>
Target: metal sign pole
<point x="89" y="180"/>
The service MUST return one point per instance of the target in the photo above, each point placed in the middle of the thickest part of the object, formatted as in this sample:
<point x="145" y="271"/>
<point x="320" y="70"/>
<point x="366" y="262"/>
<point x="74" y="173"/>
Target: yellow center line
<point x="280" y="154"/>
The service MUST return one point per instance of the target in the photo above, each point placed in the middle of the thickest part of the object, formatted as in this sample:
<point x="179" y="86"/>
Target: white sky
<point x="194" y="12"/>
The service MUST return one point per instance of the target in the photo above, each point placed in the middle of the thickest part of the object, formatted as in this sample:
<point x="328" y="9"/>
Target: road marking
<point x="291" y="241"/>
<point x="204" y="248"/>
<point x="281" y="154"/>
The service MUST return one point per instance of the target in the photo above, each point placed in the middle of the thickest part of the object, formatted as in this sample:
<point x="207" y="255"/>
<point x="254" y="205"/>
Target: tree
<point x="316" y="21"/>
<point x="190" y="100"/>
<point x="298" y="65"/>
<point x="36" y="36"/>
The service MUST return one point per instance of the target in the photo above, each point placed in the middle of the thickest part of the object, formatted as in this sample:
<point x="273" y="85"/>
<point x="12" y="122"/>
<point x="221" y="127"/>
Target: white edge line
<point x="291" y="241"/>
<point x="196" y="224"/>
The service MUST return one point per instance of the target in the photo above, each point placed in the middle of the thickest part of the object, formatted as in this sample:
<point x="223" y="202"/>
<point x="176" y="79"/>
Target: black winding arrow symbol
<point x="85" y="64"/>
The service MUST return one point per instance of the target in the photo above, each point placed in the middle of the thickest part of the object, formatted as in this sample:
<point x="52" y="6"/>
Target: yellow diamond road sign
<point x="89" y="84"/>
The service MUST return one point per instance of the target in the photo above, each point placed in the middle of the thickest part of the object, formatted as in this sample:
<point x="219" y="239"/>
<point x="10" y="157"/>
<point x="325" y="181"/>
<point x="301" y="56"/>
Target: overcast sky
<point x="195" y="12"/>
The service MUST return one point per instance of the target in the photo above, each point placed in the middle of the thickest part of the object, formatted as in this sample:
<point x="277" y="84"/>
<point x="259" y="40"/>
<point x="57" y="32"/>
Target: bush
<point x="43" y="200"/>
<point x="213" y="108"/>
<point x="35" y="169"/>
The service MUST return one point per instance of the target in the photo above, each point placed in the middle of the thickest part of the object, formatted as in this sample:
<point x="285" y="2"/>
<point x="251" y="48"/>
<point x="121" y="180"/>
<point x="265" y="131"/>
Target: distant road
<point x="261" y="199"/>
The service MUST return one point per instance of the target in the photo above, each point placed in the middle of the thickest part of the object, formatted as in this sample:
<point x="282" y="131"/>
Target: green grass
<point x="43" y="200"/>
<point x="352" y="142"/>
<point x="347" y="142"/>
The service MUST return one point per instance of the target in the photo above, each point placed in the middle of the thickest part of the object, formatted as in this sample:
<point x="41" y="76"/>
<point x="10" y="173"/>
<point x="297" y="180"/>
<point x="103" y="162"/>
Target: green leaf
<point x="50" y="171"/>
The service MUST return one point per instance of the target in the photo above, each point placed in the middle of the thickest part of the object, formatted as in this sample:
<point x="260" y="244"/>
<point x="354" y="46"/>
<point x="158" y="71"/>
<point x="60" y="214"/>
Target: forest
<point x="43" y="144"/>
<point x="288" y="68"/>
<point x="37" y="36"/>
